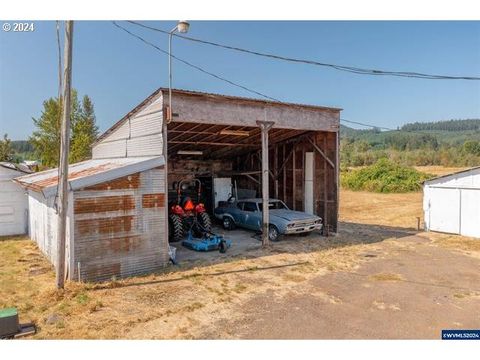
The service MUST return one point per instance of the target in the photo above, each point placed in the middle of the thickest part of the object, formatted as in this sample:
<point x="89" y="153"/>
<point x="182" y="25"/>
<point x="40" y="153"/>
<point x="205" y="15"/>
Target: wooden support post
<point x="325" y="188"/>
<point x="337" y="176"/>
<point x="275" y="170"/>
<point x="294" y="179"/>
<point x="63" y="166"/>
<point x="265" y="126"/>
<point x="284" y="175"/>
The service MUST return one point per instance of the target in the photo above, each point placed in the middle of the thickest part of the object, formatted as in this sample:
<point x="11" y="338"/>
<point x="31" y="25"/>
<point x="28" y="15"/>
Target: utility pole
<point x="64" y="146"/>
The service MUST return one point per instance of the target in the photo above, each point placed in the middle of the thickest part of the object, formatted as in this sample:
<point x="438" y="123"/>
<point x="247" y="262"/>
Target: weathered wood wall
<point x="119" y="227"/>
<point x="287" y="178"/>
<point x="217" y="109"/>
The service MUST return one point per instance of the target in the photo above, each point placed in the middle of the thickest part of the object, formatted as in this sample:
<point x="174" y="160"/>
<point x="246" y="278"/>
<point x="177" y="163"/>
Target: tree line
<point x="44" y="143"/>
<point x="447" y="125"/>
<point x="366" y="147"/>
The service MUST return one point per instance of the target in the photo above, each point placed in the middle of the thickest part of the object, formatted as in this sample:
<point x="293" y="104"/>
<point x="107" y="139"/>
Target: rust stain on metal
<point x="126" y="182"/>
<point x="153" y="200"/>
<point x="103" y="204"/>
<point x="53" y="180"/>
<point x="94" y="271"/>
<point x="123" y="243"/>
<point x="104" y="225"/>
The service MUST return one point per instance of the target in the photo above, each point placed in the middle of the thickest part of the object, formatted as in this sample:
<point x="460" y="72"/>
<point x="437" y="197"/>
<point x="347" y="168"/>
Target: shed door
<point x="444" y="205"/>
<point x="222" y="188"/>
<point x="470" y="219"/>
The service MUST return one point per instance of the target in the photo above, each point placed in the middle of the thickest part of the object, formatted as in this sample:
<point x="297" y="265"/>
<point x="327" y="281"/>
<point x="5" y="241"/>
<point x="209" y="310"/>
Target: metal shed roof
<point x="87" y="173"/>
<point x="15" y="167"/>
<point x="460" y="173"/>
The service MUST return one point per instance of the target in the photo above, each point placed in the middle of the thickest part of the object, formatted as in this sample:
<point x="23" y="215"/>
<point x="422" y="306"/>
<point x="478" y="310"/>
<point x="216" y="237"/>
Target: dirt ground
<point x="378" y="278"/>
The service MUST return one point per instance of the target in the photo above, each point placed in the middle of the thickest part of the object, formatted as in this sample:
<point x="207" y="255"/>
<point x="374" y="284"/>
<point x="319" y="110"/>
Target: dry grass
<point x="386" y="277"/>
<point x="184" y="302"/>
<point x="179" y="304"/>
<point x="439" y="170"/>
<point x="397" y="210"/>
<point x="456" y="242"/>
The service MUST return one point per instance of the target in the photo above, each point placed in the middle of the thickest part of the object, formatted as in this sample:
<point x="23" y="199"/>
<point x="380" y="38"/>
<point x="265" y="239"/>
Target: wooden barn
<point x="272" y="149"/>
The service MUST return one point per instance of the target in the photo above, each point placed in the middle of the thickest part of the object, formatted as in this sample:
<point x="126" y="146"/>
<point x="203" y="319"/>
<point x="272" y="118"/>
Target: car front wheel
<point x="228" y="223"/>
<point x="273" y="234"/>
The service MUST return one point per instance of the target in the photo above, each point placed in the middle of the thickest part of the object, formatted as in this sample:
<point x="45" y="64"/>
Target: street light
<point x="182" y="27"/>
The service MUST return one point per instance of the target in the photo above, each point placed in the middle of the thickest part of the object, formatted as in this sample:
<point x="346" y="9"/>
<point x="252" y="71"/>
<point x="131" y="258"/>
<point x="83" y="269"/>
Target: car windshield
<point x="274" y="205"/>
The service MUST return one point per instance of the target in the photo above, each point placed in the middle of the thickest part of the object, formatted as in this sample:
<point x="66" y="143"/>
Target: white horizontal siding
<point x="13" y="204"/>
<point x="140" y="135"/>
<point x="108" y="150"/>
<point x="145" y="146"/>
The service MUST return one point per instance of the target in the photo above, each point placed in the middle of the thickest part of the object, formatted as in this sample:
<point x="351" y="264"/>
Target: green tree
<point x="6" y="150"/>
<point x="83" y="131"/>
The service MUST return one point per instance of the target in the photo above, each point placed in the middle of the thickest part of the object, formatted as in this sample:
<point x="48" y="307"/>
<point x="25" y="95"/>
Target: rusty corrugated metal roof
<point x="87" y="173"/>
<point x="15" y="167"/>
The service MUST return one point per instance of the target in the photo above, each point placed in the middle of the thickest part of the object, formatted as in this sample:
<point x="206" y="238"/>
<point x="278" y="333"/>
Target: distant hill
<point x="451" y="132"/>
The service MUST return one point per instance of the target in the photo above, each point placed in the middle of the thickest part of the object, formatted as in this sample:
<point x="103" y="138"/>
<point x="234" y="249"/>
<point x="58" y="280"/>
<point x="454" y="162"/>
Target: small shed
<point x="13" y="201"/>
<point x="116" y="211"/>
<point x="451" y="203"/>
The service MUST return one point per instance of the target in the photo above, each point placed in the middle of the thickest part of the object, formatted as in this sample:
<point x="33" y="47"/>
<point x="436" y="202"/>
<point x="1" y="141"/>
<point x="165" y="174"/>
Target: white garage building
<point x="451" y="203"/>
<point x="13" y="201"/>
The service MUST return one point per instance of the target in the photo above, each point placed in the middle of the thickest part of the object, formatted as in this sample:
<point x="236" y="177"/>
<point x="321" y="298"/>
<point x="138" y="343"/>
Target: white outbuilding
<point x="451" y="203"/>
<point x="13" y="201"/>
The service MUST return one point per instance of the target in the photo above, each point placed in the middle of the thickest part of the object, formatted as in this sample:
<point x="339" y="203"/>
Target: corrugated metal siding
<point x="145" y="146"/>
<point x="43" y="225"/>
<point x="125" y="235"/>
<point x="140" y="135"/>
<point x="13" y="204"/>
<point x="113" y="149"/>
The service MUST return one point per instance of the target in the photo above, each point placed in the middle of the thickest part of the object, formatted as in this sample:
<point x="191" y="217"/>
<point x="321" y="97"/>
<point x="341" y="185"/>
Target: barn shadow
<point x="247" y="245"/>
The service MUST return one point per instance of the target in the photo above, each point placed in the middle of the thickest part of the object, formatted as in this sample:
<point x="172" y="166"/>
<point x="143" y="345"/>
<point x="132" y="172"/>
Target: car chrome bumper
<point x="303" y="229"/>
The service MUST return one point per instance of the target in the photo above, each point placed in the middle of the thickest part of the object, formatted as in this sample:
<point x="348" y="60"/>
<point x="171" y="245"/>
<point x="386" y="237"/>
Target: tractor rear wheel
<point x="175" y="227"/>
<point x="205" y="221"/>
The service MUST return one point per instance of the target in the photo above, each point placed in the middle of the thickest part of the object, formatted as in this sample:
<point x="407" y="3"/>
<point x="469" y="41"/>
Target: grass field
<point x="186" y="301"/>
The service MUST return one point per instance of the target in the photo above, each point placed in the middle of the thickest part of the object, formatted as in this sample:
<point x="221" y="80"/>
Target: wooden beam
<point x="275" y="171"/>
<point x="322" y="153"/>
<point x="252" y="178"/>
<point x="325" y="189"/>
<point x="294" y="183"/>
<point x="284" y="175"/>
<point x="265" y="126"/>
<point x="211" y="143"/>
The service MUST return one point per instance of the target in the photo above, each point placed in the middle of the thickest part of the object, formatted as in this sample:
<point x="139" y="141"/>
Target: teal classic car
<point x="247" y="213"/>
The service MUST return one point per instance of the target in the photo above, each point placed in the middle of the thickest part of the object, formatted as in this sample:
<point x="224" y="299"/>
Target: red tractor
<point x="185" y="215"/>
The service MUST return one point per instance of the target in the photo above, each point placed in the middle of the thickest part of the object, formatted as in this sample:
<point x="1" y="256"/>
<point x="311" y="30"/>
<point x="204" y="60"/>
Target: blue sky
<point x="117" y="71"/>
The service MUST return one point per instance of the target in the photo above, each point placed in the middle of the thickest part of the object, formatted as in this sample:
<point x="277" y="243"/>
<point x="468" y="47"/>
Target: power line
<point x="195" y="66"/>
<point x="351" y="69"/>
<point x="233" y="83"/>
<point x="368" y="125"/>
